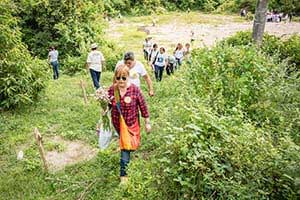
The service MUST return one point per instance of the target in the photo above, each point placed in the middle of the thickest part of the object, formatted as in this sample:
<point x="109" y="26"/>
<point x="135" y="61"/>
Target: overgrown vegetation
<point x="226" y="126"/>
<point x="22" y="76"/>
<point x="146" y="7"/>
<point x="232" y="132"/>
<point x="70" y="26"/>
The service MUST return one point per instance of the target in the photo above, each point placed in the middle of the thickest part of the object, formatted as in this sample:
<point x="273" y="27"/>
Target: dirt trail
<point x="205" y="34"/>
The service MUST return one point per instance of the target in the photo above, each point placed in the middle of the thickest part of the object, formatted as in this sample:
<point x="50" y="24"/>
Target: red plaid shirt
<point x="131" y="102"/>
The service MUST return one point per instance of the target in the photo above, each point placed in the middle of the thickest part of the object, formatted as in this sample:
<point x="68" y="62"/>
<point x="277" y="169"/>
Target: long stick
<point x="39" y="142"/>
<point x="83" y="91"/>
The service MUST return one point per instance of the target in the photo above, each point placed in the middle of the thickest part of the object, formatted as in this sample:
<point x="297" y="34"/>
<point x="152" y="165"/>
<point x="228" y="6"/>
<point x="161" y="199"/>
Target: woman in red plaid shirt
<point x="131" y="102"/>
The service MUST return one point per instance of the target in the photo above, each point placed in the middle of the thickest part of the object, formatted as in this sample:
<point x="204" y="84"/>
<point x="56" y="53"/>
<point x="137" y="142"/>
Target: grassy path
<point x="61" y="112"/>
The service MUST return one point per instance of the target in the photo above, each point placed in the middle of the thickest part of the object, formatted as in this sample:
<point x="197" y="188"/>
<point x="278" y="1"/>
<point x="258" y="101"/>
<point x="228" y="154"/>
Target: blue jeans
<point x="158" y="72"/>
<point x="95" y="77"/>
<point x="146" y="55"/>
<point x="170" y="68"/>
<point x="124" y="161"/>
<point x="55" y="66"/>
<point x="178" y="63"/>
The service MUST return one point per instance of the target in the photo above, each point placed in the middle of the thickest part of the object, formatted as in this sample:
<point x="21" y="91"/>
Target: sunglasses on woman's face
<point x="123" y="78"/>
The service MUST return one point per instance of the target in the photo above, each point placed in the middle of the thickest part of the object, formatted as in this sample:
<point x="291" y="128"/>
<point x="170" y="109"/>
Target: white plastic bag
<point x="104" y="138"/>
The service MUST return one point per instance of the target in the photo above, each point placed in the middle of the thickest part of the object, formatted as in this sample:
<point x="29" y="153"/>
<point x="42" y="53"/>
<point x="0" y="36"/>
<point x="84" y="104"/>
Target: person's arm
<point x="88" y="62"/>
<point x="49" y="57"/>
<point x="149" y="84"/>
<point x="166" y="61"/>
<point x="87" y="65"/>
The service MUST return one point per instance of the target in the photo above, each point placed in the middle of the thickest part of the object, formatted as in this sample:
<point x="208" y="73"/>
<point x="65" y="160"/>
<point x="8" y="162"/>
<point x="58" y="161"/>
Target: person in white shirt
<point x="152" y="55"/>
<point x="53" y="59"/>
<point x="147" y="47"/>
<point x="136" y="70"/>
<point x="171" y="64"/>
<point x="95" y="61"/>
<point x="187" y="52"/>
<point x="179" y="54"/>
<point x="160" y="63"/>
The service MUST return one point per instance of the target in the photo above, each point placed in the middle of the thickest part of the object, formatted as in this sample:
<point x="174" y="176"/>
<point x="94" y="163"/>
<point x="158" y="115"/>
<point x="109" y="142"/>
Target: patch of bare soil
<point x="74" y="152"/>
<point x="170" y="34"/>
<point x="207" y="35"/>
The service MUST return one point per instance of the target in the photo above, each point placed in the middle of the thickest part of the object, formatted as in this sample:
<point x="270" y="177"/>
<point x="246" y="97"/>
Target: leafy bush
<point x="218" y="157"/>
<point x="291" y="50"/>
<point x="72" y="65"/>
<point x="286" y="49"/>
<point x="68" y="25"/>
<point x="244" y="78"/>
<point x="271" y="44"/>
<point x="22" y="77"/>
<point x="229" y="133"/>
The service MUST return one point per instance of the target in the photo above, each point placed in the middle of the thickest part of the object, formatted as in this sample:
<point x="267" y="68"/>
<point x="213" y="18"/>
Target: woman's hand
<point x="148" y="128"/>
<point x="147" y="125"/>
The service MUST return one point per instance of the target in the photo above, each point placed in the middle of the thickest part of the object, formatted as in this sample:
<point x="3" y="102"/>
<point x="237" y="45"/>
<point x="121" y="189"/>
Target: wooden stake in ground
<point x="39" y="142"/>
<point x="82" y="84"/>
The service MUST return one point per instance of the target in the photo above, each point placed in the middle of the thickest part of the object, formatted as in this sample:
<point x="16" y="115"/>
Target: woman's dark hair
<point x="155" y="45"/>
<point x="129" y="56"/>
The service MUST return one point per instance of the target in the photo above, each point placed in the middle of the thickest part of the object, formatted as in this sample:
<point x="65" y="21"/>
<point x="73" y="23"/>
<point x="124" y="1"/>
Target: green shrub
<point x="291" y="50"/>
<point x="271" y="44"/>
<point x="72" y="65"/>
<point x="70" y="26"/>
<point x="22" y="77"/>
<point x="218" y="157"/>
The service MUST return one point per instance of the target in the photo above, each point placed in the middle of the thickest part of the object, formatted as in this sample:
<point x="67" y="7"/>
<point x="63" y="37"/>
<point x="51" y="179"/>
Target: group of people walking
<point x="127" y="100"/>
<point x="159" y="60"/>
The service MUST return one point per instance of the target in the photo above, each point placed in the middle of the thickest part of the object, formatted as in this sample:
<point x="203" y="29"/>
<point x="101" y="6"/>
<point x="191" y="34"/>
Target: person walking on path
<point x="179" y="55"/>
<point x="126" y="102"/>
<point x="147" y="48"/>
<point x="53" y="60"/>
<point x="171" y="64"/>
<point x="95" y="62"/>
<point x="160" y="63"/>
<point x="152" y="55"/>
<point x="187" y="52"/>
<point x="136" y="70"/>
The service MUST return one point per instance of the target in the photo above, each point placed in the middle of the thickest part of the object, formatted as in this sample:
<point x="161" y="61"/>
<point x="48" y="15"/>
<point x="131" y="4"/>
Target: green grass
<point x="61" y="112"/>
<point x="185" y="18"/>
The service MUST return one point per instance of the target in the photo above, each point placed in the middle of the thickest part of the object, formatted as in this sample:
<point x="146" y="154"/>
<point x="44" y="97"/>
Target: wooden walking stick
<point x="39" y="141"/>
<point x="82" y="84"/>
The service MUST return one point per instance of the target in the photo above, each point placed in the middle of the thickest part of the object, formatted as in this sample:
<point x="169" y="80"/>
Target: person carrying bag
<point x="126" y="102"/>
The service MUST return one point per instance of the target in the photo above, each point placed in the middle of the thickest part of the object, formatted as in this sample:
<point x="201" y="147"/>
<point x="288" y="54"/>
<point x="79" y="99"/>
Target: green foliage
<point x="286" y="49"/>
<point x="72" y="65"/>
<point x="286" y="6"/>
<point x="133" y="7"/>
<point x="69" y="25"/>
<point x="291" y="50"/>
<point x="222" y="157"/>
<point x="22" y="77"/>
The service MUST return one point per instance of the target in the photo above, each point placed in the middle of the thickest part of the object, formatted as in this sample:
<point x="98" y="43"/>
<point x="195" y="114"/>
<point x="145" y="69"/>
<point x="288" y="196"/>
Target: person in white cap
<point x="95" y="61"/>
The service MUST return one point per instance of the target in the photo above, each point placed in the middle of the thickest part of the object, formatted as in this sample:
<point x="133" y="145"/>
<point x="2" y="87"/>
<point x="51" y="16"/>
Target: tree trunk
<point x="259" y="21"/>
